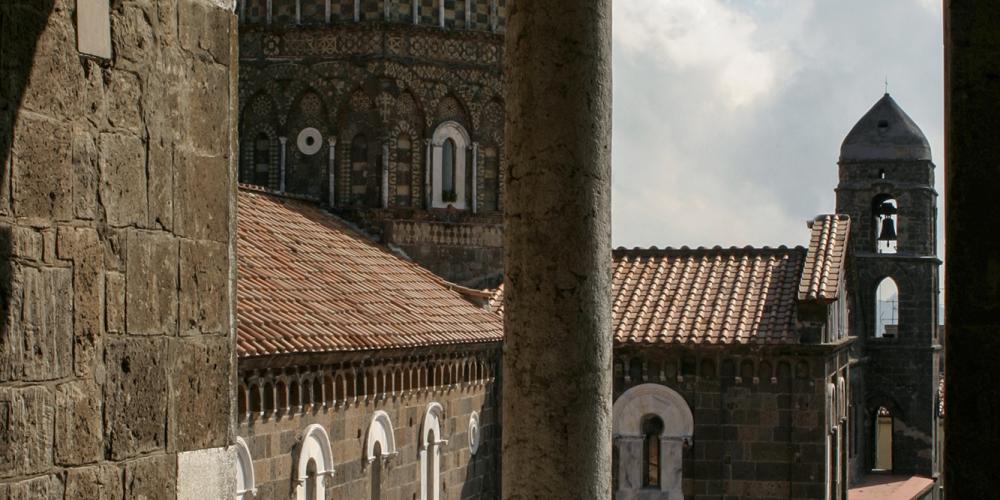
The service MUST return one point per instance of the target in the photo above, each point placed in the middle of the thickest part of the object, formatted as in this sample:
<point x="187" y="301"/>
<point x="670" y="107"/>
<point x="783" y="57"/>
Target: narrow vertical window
<point x="359" y="170"/>
<point x="404" y="165"/>
<point x="883" y="439"/>
<point x="886" y="309"/>
<point x="429" y="470"/>
<point x="491" y="180"/>
<point x="652" y="428"/>
<point x="448" y="171"/>
<point x="311" y="492"/>
<point x="377" y="472"/>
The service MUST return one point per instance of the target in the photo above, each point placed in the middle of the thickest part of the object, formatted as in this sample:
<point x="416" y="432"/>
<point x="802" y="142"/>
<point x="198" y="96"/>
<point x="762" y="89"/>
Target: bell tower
<point x="887" y="188"/>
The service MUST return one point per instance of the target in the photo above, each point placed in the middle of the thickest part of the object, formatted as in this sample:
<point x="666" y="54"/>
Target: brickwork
<point x="761" y="417"/>
<point x="344" y="407"/>
<point x="115" y="202"/>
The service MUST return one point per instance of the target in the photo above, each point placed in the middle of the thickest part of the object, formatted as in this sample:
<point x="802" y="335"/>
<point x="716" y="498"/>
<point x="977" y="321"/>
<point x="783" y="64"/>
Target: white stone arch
<point x="380" y="431"/>
<point x="430" y="452"/>
<point x="315" y="446"/>
<point x="246" y="485"/>
<point x="628" y="413"/>
<point x="456" y="132"/>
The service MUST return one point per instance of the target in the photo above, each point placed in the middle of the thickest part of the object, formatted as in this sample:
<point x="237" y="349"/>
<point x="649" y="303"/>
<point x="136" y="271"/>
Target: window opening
<point x="377" y="472"/>
<point x="652" y="428"/>
<point x="311" y="492"/>
<point x="886" y="225"/>
<point x="883" y="439"/>
<point x="448" y="169"/>
<point x="886" y="309"/>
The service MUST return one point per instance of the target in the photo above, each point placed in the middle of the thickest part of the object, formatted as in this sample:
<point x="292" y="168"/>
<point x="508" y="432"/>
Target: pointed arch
<point x="886" y="309"/>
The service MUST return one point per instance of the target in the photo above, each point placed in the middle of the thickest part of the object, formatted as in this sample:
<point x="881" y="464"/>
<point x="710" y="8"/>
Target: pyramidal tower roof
<point x="886" y="132"/>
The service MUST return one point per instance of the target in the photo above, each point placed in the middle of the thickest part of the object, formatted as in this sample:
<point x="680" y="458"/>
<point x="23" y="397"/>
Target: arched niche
<point x="246" y="485"/>
<point x="430" y="452"/>
<point x="630" y="411"/>
<point x="315" y="447"/>
<point x="380" y="431"/>
<point x="449" y="134"/>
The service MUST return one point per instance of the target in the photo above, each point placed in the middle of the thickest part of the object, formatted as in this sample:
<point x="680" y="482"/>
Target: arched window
<point x="886" y="224"/>
<point x="245" y="483"/>
<point x="430" y="453"/>
<point x="261" y="160"/>
<point x="314" y="464"/>
<point x="883" y="439"/>
<point x="886" y="309"/>
<point x="652" y="427"/>
<point x="448" y="171"/>
<point x="449" y="177"/>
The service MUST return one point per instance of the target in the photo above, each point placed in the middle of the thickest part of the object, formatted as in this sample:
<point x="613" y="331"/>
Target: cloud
<point x="728" y="114"/>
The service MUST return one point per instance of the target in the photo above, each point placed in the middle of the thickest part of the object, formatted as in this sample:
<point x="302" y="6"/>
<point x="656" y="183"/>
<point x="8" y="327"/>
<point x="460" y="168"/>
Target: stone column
<point x="475" y="177"/>
<point x="385" y="174"/>
<point x="972" y="264"/>
<point x="332" y="171"/>
<point x="428" y="196"/>
<point x="281" y="166"/>
<point x="557" y="246"/>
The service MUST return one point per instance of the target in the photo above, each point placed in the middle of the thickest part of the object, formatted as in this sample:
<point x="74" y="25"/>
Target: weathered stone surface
<point x="151" y="285"/>
<point x="200" y="395"/>
<point x="83" y="247"/>
<point x="204" y="100"/>
<point x="202" y="30"/>
<point x="204" y="284"/>
<point x="79" y="434"/>
<point x="151" y="478"/>
<point x="98" y="481"/>
<point x="55" y="90"/>
<point x="207" y="473"/>
<point x="85" y="176"/>
<point x="115" y="302"/>
<point x="123" y="96"/>
<point x="26" y="422"/>
<point x="201" y="196"/>
<point x="39" y="341"/>
<point x="39" y="488"/>
<point x="41" y="169"/>
<point x="557" y="402"/>
<point x="26" y="243"/>
<point x="135" y="396"/>
<point x="123" y="179"/>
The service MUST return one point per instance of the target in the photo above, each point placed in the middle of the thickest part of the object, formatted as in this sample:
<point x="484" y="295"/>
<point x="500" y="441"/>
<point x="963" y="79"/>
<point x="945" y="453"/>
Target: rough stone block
<point x="26" y="243"/>
<point x="38" y="344"/>
<point x="26" y="423"/>
<point x="202" y="191"/>
<point x="123" y="179"/>
<point x="79" y="437"/>
<point x="151" y="283"/>
<point x="85" y="176"/>
<point x="42" y="175"/>
<point x="59" y="74"/>
<point x="99" y="481"/>
<point x="123" y="96"/>
<point x="135" y="396"/>
<point x="115" y="302"/>
<point x="206" y="100"/>
<point x="204" y="287"/>
<point x="151" y="478"/>
<point x="205" y="27"/>
<point x="132" y="36"/>
<point x="39" y="488"/>
<point x="83" y="247"/>
<point x="200" y="392"/>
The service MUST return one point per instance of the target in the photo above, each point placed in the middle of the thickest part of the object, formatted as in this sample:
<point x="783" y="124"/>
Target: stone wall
<point x="344" y="406"/>
<point x="761" y="416"/>
<point x="116" y="195"/>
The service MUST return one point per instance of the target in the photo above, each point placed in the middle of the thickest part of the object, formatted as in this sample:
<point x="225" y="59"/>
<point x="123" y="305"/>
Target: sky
<point x="729" y="114"/>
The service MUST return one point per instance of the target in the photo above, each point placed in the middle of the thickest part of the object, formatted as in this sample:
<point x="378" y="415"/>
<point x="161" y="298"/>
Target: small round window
<point x="474" y="432"/>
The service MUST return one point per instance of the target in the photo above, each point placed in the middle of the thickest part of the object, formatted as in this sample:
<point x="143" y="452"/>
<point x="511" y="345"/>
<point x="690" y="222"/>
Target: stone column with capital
<point x="332" y="171"/>
<point x="557" y="249"/>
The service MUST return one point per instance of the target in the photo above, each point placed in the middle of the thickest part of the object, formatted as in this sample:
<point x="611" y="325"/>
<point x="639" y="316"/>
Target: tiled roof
<point x="826" y="258"/>
<point x="307" y="282"/>
<point x="706" y="296"/>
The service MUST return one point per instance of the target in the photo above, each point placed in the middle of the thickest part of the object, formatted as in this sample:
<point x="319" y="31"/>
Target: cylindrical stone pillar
<point x="557" y="249"/>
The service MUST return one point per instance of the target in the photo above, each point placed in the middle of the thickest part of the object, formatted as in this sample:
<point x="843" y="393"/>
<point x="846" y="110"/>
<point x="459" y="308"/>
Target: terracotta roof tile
<point x="826" y="258"/>
<point x="307" y="282"/>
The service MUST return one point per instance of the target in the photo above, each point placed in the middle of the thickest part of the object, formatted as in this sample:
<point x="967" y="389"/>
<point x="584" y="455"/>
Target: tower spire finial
<point x="887" y="84"/>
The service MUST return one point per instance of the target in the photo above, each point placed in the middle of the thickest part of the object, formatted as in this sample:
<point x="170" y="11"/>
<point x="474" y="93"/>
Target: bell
<point x="888" y="232"/>
<point x="886" y="208"/>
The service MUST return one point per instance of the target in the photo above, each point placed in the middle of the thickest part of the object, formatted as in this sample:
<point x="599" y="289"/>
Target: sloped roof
<point x="307" y="282"/>
<point x="885" y="132"/>
<point x="706" y="295"/>
<point x="827" y="256"/>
